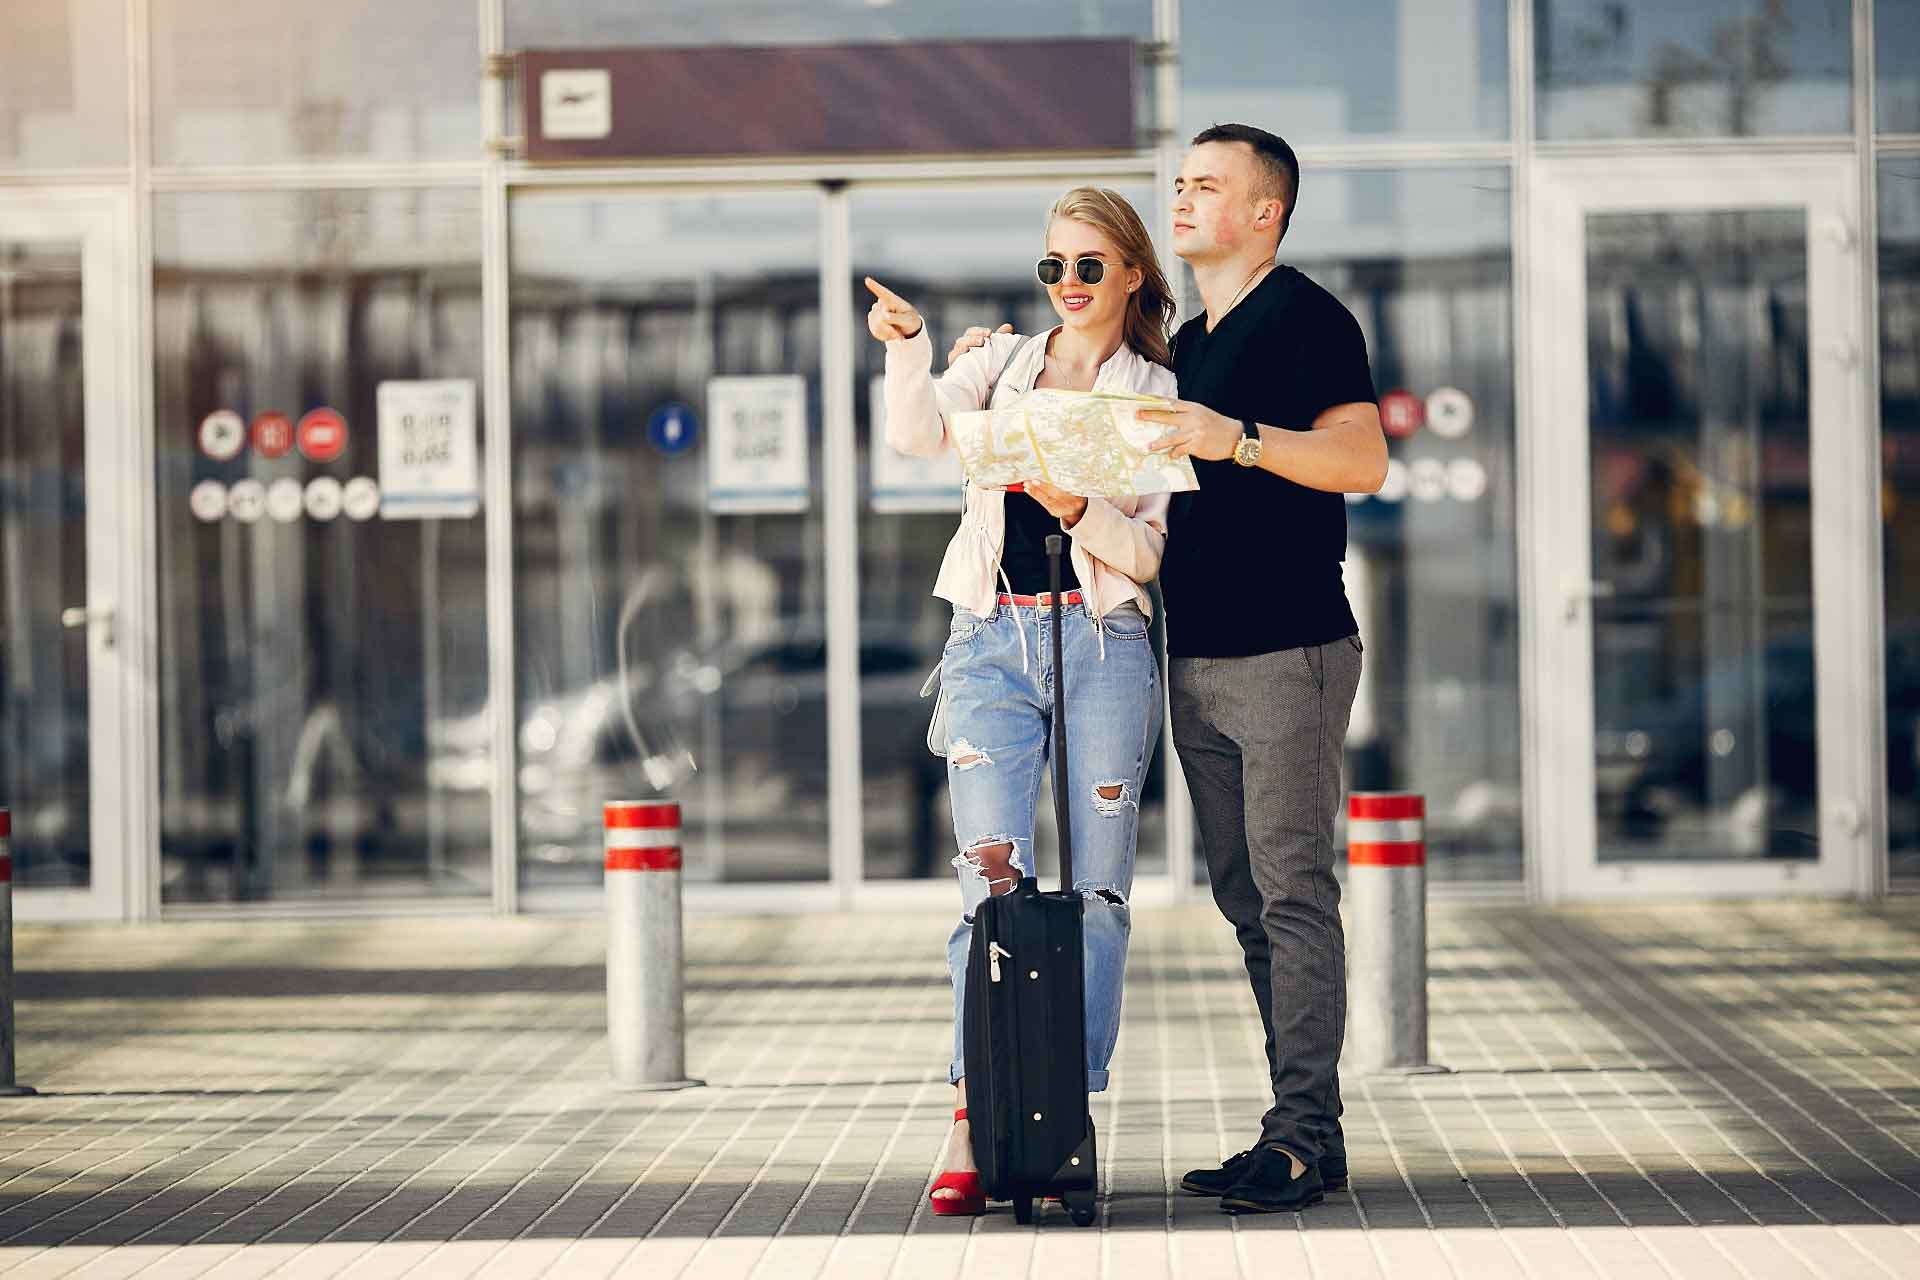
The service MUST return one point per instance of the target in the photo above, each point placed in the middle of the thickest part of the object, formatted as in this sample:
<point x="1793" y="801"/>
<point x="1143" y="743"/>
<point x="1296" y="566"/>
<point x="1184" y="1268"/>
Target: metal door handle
<point x="85" y="615"/>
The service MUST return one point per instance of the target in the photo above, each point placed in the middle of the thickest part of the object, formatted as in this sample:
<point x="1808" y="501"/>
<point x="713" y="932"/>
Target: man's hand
<point x="1193" y="429"/>
<point x="891" y="316"/>
<point x="1065" y="507"/>
<point x="973" y="337"/>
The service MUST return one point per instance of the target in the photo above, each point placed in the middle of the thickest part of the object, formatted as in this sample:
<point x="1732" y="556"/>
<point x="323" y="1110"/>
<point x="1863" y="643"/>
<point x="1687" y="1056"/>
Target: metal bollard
<point x="646" y="997"/>
<point x="9" y="1088"/>
<point x="1387" y="900"/>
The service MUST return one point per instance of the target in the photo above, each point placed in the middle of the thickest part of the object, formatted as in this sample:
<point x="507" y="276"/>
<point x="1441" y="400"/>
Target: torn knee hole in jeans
<point x="964" y="755"/>
<point x="1111" y="799"/>
<point x="1111" y="897"/>
<point x="995" y="860"/>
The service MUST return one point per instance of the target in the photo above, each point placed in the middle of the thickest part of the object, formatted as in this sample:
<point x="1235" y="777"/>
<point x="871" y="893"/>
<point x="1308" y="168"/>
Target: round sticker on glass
<point x="247" y="501"/>
<point x="208" y="501"/>
<point x="284" y="499"/>
<point x="1449" y="413"/>
<point x="1429" y="480"/>
<point x="322" y="435"/>
<point x="1466" y="479"/>
<point x="361" y="499"/>
<point x="222" y="435"/>
<point x="272" y="435"/>
<point x="323" y="498"/>
<point x="1401" y="413"/>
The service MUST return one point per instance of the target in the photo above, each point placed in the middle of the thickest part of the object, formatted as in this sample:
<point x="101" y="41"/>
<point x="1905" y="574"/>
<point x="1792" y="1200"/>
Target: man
<point x="1278" y="413"/>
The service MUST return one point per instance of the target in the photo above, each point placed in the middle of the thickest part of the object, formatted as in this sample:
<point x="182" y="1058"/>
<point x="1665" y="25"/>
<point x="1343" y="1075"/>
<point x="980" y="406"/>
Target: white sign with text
<point x="757" y="460"/>
<point x="429" y="454"/>
<point x="902" y="482"/>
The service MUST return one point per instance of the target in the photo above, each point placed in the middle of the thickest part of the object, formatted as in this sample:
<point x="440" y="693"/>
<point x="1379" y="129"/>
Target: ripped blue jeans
<point x="997" y="676"/>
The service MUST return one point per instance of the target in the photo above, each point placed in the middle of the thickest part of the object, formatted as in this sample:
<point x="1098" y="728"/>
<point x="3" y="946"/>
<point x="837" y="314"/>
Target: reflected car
<point x="753" y="714"/>
<point x="1654" y="758"/>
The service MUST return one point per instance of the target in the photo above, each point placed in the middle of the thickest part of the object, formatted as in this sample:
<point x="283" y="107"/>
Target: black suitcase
<point x="1024" y="1024"/>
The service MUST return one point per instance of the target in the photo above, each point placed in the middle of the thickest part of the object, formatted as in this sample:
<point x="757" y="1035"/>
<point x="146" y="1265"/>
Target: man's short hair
<point x="1276" y="168"/>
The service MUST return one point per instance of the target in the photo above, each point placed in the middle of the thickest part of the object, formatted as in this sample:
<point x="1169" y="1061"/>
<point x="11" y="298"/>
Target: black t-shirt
<point x="1253" y="561"/>
<point x="1024" y="558"/>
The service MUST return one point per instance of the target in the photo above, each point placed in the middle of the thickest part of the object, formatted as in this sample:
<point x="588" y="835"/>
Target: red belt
<point x="1042" y="600"/>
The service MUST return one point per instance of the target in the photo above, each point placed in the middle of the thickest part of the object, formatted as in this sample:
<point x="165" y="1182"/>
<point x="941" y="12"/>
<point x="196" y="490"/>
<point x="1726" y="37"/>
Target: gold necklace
<point x="1243" y="288"/>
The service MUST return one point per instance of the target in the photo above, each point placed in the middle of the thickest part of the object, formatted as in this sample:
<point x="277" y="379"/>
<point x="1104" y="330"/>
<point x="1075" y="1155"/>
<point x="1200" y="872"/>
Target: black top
<point x="1253" y="561"/>
<point x="1024" y="558"/>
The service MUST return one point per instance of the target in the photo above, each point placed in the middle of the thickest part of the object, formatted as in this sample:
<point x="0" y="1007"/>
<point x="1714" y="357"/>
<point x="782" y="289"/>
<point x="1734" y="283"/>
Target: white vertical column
<point x="841" y="481"/>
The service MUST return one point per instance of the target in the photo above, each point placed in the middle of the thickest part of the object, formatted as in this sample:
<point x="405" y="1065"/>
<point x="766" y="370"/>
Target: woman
<point x="996" y="679"/>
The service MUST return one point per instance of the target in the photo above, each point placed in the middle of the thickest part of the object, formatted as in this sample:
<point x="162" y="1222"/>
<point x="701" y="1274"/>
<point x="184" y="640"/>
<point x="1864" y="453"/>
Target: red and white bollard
<point x="1387" y="951"/>
<point x="646" y="980"/>
<point x="9" y="1088"/>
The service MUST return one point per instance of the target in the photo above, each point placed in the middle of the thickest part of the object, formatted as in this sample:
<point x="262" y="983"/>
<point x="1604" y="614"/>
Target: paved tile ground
<point x="1675" y="1092"/>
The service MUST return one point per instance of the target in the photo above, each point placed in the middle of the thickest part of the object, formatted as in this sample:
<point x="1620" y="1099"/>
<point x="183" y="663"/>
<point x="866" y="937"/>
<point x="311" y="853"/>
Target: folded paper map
<point x="1085" y="442"/>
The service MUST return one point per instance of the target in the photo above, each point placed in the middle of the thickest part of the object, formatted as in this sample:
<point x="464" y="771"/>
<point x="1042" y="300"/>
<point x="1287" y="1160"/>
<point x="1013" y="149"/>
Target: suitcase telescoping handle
<point x="1061" y="802"/>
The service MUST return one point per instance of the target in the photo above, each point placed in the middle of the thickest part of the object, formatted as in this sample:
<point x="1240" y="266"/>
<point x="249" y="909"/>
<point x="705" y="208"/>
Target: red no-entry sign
<point x="322" y="435"/>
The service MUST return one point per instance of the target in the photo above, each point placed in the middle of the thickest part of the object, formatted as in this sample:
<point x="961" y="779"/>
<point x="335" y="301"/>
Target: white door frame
<point x="119" y="651"/>
<point x="1556" y="549"/>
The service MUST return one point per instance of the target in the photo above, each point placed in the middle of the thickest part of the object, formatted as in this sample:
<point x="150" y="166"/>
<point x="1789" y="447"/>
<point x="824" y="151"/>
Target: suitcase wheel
<point x="1079" y="1206"/>
<point x="1023" y="1209"/>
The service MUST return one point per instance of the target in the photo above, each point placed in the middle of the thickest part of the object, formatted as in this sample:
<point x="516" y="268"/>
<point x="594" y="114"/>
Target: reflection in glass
<point x="323" y="678"/>
<point x="43" y="564"/>
<point x="1702" y="535"/>
<point x="63" y="84"/>
<point x="669" y="641"/>
<point x="1729" y="68"/>
<point x="545" y="24"/>
<point x="1900" y="497"/>
<point x="1321" y="71"/>
<point x="962" y="260"/>
<point x="1423" y="259"/>
<point x="248" y="83"/>
<point x="1896" y="65"/>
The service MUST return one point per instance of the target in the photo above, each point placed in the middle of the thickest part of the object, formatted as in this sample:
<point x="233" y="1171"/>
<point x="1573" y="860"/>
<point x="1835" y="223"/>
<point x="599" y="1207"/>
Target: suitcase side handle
<point x="1062" y="798"/>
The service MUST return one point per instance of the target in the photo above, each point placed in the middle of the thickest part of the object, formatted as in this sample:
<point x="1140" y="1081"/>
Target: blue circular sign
<point x="673" y="428"/>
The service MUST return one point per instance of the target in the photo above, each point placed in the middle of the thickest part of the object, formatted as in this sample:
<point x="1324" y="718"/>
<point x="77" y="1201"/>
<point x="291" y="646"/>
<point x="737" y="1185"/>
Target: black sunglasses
<point x="1088" y="270"/>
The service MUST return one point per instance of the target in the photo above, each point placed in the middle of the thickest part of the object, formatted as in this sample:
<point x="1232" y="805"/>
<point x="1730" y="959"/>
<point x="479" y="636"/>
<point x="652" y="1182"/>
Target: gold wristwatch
<point x="1247" y="452"/>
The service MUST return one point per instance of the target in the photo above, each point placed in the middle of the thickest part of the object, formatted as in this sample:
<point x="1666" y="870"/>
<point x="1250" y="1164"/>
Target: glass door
<point x="68" y="639"/>
<point x="1703" y="532"/>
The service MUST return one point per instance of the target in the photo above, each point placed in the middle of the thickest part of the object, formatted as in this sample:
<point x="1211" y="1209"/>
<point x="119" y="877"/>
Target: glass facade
<point x="1403" y="70"/>
<point x="1899" y="184"/>
<point x="238" y="83"/>
<point x="690" y="459"/>
<point x="1423" y="259"/>
<point x="43" y="560"/>
<point x="670" y="634"/>
<point x="1896" y="66"/>
<point x="322" y="665"/>
<point x="1733" y="68"/>
<point x="63" y="85"/>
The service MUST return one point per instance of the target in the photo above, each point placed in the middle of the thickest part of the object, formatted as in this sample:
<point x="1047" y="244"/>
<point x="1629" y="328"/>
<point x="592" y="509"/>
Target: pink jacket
<point x="1115" y="547"/>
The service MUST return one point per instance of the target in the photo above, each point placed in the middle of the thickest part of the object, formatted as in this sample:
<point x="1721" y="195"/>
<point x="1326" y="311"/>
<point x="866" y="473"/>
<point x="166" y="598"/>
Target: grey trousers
<point x="1260" y="742"/>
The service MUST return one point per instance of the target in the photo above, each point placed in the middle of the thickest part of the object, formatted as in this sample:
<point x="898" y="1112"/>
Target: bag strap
<point x="1019" y="350"/>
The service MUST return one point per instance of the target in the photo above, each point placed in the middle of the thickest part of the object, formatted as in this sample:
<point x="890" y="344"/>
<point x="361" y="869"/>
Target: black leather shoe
<point x="1333" y="1170"/>
<point x="1270" y="1187"/>
<point x="1217" y="1182"/>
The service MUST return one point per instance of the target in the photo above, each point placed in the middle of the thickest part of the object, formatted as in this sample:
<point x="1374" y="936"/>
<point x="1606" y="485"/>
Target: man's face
<point x="1215" y="211"/>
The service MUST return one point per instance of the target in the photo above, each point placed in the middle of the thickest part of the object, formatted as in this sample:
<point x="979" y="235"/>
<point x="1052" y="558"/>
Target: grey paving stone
<point x="1640" y="1090"/>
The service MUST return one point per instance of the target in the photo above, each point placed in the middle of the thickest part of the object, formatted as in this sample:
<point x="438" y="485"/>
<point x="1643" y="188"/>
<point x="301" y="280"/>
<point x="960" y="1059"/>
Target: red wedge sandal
<point x="971" y="1201"/>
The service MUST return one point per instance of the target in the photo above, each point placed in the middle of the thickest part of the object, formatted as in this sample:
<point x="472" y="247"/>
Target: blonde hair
<point x="1150" y="307"/>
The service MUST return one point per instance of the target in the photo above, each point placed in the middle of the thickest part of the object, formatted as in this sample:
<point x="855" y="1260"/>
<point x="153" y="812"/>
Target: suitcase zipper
<point x="994" y="952"/>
